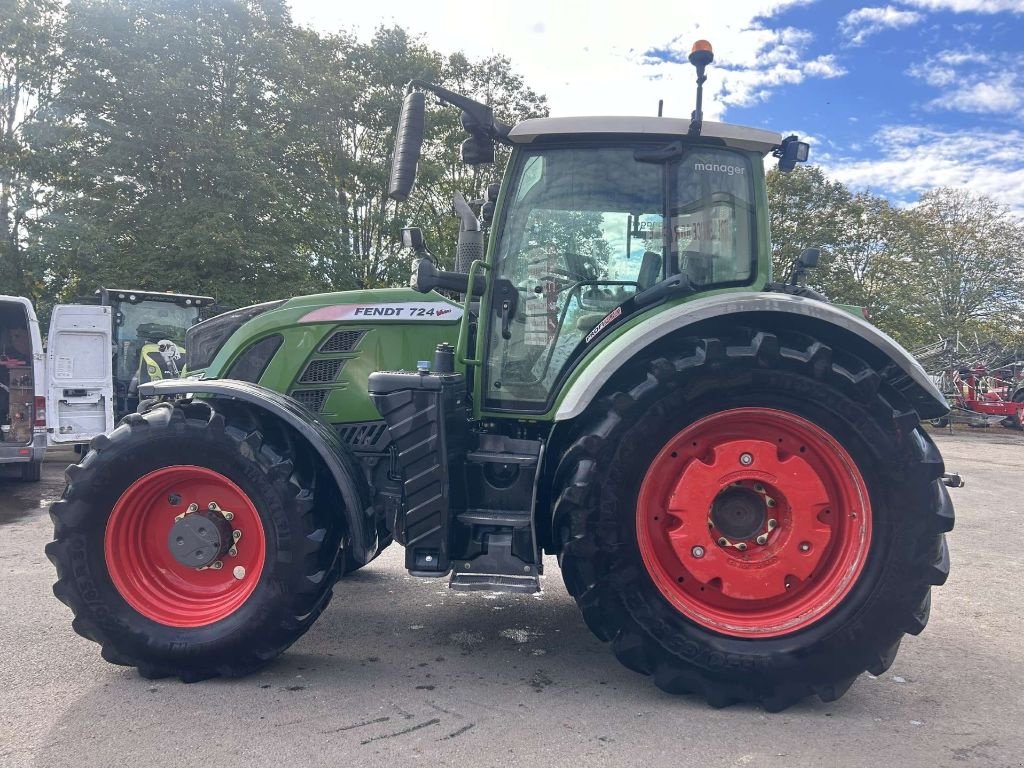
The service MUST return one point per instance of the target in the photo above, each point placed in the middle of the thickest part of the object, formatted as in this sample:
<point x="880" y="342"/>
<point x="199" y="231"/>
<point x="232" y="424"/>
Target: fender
<point x="359" y="516"/>
<point x="839" y="326"/>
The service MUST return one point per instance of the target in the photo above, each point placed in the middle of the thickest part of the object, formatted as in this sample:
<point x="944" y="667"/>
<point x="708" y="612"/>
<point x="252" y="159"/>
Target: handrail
<point x="463" y="342"/>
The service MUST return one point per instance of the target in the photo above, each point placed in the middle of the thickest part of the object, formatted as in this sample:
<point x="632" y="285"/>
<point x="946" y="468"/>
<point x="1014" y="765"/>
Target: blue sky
<point x="896" y="98"/>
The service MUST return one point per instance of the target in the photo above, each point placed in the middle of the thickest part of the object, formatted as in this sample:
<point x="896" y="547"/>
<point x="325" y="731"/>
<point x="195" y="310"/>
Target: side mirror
<point x="477" y="150"/>
<point x="490" y="200"/>
<point x="790" y="152"/>
<point x="412" y="237"/>
<point x="809" y="257"/>
<point x="408" y="142"/>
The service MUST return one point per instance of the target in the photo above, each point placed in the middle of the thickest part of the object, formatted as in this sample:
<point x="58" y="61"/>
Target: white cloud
<point x="973" y="82"/>
<point x="914" y="159"/>
<point x="598" y="60"/>
<point x="860" y="24"/>
<point x="969" y="6"/>
<point x="824" y="66"/>
<point x="1004" y="94"/>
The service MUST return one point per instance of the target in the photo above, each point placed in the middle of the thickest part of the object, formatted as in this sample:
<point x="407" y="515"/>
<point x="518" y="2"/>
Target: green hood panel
<point x="388" y="329"/>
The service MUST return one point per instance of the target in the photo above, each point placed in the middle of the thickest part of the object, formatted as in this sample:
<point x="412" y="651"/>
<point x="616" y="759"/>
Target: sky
<point x="895" y="98"/>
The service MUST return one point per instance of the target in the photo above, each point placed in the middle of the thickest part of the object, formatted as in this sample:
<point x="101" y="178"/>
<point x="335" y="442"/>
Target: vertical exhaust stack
<point x="700" y="56"/>
<point x="470" y="247"/>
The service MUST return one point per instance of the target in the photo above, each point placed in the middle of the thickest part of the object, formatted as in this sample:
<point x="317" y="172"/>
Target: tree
<point x="867" y="260"/>
<point x="183" y="161"/>
<point x="968" y="271"/>
<point x="28" y="61"/>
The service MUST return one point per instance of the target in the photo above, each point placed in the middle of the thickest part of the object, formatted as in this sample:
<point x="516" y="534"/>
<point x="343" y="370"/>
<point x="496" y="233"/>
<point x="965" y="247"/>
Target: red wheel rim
<point x="144" y="570"/>
<point x="768" y="579"/>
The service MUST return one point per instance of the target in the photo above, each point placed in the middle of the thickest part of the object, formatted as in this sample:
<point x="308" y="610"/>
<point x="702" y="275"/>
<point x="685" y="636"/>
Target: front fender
<point x="359" y="515"/>
<point x="813" y="317"/>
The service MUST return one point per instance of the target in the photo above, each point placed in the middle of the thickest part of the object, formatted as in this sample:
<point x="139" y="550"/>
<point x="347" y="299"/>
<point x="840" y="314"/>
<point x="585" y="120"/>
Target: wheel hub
<point x="753" y="522"/>
<point x="169" y="564"/>
<point x="200" y="539"/>
<point x="739" y="513"/>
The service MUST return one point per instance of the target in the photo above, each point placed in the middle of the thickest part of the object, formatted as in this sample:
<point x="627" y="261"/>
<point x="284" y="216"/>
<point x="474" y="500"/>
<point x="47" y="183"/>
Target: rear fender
<point x="769" y="311"/>
<point x="325" y="441"/>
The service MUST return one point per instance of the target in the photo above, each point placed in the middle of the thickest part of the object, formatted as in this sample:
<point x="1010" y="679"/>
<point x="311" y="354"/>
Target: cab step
<point x="496" y="569"/>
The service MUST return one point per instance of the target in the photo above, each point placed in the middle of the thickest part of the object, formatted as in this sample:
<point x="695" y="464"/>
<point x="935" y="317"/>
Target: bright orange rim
<point x="140" y="562"/>
<point x="799" y="563"/>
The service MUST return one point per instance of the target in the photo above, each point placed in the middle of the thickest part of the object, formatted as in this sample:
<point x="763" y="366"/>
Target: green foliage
<point x="943" y="267"/>
<point x="211" y="146"/>
<point x="28" y="32"/>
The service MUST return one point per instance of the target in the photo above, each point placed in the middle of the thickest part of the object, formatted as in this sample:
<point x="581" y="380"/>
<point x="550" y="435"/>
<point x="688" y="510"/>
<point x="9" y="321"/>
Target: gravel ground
<point x="399" y="670"/>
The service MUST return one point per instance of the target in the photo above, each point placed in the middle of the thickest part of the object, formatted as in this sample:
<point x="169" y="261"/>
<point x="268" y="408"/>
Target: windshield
<point x="586" y="228"/>
<point x="148" y="322"/>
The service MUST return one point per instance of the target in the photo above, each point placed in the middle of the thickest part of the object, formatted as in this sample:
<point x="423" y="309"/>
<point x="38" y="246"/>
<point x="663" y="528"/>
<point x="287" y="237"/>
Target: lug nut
<point x="769" y="501"/>
<point x="192" y="508"/>
<point x="228" y="515"/>
<point x="723" y="542"/>
<point x="746" y="459"/>
<point x="212" y="506"/>
<point x="697" y="551"/>
<point x="233" y="551"/>
<point x="236" y="535"/>
<point x="758" y="487"/>
<point x="742" y="547"/>
<point x="216" y="565"/>
<point x="762" y="539"/>
<point x="772" y="523"/>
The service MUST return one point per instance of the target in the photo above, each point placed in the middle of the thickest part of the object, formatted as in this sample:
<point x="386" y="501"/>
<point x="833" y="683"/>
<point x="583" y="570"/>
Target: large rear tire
<point x="117" y="571"/>
<point x="758" y="518"/>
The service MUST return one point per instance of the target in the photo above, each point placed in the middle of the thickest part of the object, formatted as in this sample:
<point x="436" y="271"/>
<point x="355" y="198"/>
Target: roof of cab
<point x="737" y="136"/>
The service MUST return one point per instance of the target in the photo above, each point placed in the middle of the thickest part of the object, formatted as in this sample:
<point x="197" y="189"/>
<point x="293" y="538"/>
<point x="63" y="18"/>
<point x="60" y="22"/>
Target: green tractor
<point x="730" y="470"/>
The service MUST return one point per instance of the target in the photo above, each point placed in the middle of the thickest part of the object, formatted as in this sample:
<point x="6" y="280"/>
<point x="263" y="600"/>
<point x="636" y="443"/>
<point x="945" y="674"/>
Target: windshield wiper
<point x="664" y="154"/>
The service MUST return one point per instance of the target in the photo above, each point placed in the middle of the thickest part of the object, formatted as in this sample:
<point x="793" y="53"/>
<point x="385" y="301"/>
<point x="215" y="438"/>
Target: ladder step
<point x="494" y="582"/>
<point x="490" y="517"/>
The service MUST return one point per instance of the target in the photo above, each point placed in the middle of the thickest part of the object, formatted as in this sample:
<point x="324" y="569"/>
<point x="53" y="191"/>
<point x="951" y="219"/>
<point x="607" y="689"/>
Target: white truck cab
<point x="62" y="396"/>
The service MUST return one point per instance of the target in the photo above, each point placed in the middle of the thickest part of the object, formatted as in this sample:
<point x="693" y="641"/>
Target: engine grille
<point x="342" y="341"/>
<point x="313" y="399"/>
<point x="321" y="371"/>
<point x="366" y="435"/>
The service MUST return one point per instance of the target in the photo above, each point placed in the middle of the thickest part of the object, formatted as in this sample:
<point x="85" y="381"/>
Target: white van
<point x="65" y="396"/>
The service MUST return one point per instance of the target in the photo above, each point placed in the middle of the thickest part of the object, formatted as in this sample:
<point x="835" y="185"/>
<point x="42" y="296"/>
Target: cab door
<point x="79" y="377"/>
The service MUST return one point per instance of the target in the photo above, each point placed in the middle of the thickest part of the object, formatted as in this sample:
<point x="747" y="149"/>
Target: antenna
<point x="700" y="56"/>
<point x="661" y="103"/>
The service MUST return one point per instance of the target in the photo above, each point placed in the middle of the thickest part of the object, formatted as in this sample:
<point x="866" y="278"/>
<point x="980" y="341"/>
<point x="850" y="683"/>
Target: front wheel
<point x="190" y="545"/>
<point x="757" y="519"/>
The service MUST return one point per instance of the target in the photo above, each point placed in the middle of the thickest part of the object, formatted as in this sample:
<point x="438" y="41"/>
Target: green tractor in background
<point x="730" y="470"/>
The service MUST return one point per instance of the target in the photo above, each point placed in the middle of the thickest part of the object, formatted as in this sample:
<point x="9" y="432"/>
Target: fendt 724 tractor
<point x="730" y="470"/>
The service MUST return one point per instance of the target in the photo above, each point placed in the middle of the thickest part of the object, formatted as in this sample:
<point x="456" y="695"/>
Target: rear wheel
<point x="189" y="545"/>
<point x="32" y="471"/>
<point x="757" y="520"/>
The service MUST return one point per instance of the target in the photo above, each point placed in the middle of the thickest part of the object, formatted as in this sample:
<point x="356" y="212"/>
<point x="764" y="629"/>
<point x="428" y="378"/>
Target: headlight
<point x="204" y="340"/>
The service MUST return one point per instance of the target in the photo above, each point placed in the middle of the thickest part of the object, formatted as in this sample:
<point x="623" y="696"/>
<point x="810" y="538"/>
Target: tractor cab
<point x="598" y="216"/>
<point x="598" y="221"/>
